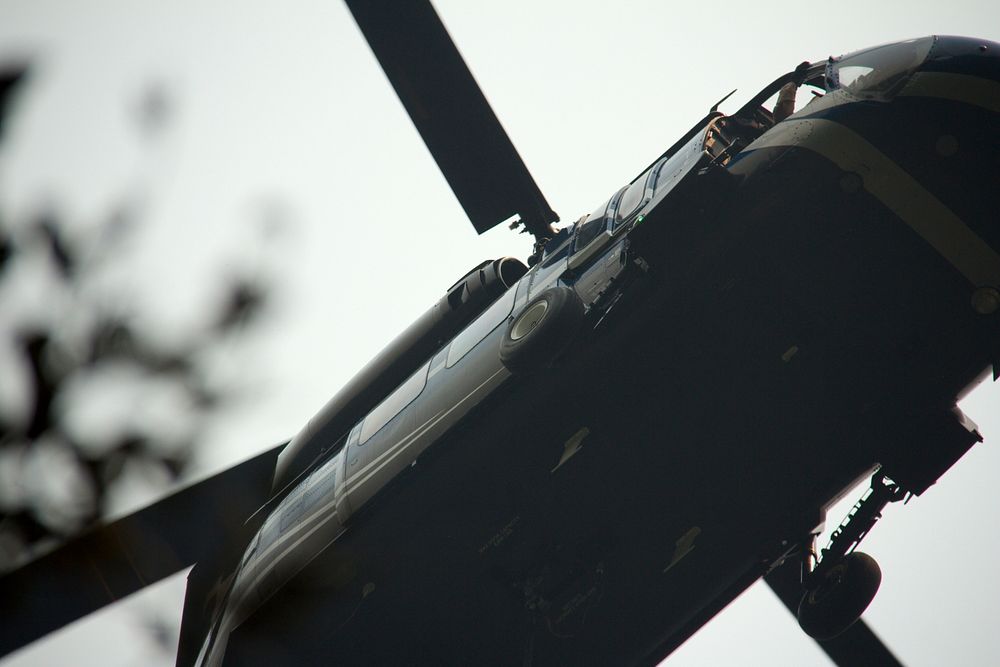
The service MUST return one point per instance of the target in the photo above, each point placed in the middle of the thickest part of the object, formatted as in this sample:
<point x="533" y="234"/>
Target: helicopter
<point x="621" y="302"/>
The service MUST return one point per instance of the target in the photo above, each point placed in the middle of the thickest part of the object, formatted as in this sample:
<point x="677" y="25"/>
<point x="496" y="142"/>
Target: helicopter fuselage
<point x="772" y="311"/>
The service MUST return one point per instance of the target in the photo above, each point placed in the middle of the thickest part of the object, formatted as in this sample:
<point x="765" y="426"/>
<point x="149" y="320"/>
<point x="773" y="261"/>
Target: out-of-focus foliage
<point x="11" y="77"/>
<point x="91" y="397"/>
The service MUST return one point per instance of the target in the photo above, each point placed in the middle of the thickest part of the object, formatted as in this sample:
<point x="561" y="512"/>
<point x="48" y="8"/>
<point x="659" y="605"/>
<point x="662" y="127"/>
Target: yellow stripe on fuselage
<point x="964" y="88"/>
<point x="895" y="188"/>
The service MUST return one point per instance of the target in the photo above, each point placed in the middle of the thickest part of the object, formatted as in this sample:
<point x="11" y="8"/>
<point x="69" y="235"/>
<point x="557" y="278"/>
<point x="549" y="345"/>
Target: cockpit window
<point x="880" y="72"/>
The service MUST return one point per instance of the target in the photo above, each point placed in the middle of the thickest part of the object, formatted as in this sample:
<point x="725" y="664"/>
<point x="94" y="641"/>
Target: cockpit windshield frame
<point x="880" y="72"/>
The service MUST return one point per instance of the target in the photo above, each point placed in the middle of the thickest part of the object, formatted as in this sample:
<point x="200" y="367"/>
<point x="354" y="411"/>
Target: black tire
<point x="838" y="602"/>
<point x="541" y="330"/>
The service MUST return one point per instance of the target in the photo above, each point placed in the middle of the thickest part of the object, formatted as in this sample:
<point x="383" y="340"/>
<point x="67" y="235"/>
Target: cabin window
<point x="558" y="246"/>
<point x="592" y="227"/>
<point x="632" y="198"/>
<point x="394" y="404"/>
<point x="251" y="550"/>
<point x="600" y="213"/>
<point x="321" y="484"/>
<point x="271" y="530"/>
<point x="481" y="327"/>
<point x="671" y="170"/>
<point x="292" y="512"/>
<point x="595" y="223"/>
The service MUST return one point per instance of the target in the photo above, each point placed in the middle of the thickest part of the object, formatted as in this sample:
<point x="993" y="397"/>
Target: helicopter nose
<point x="946" y="139"/>
<point x="964" y="55"/>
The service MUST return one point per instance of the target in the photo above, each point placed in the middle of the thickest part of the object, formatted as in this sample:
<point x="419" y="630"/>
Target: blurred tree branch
<point x="92" y="396"/>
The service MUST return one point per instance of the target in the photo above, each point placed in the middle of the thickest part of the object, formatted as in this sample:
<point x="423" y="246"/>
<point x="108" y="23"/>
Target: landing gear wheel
<point x="843" y="594"/>
<point x="542" y="330"/>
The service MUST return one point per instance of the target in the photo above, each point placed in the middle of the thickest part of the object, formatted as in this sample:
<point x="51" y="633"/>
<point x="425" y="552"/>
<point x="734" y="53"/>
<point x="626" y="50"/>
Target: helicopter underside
<point x="791" y="330"/>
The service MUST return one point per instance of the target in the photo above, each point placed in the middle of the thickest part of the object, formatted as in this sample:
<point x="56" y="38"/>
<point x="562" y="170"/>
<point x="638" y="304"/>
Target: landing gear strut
<point x="844" y="581"/>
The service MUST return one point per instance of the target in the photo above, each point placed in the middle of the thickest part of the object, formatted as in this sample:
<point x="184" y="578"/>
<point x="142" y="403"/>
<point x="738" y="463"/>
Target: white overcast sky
<point x="281" y="113"/>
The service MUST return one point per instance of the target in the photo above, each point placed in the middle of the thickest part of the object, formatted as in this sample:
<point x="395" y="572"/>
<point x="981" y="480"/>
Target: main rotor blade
<point x="858" y="645"/>
<point x="112" y="561"/>
<point x="449" y="110"/>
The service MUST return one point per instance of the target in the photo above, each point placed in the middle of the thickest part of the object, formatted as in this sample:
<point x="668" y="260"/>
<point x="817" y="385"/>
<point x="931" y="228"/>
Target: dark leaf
<point x="111" y="338"/>
<point x="24" y="526"/>
<point x="59" y="250"/>
<point x="11" y="77"/>
<point x="244" y="302"/>
<point x="43" y="387"/>
<point x="6" y="250"/>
